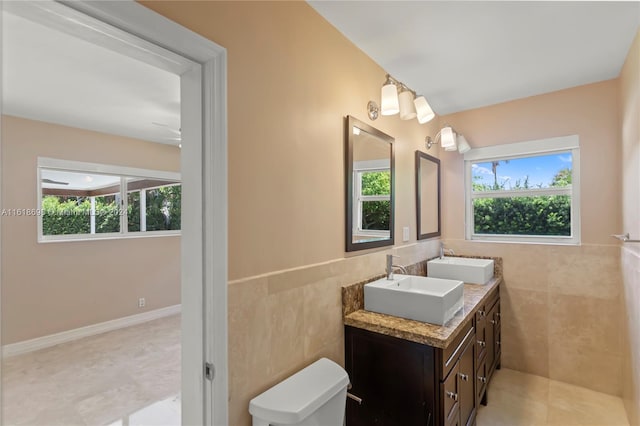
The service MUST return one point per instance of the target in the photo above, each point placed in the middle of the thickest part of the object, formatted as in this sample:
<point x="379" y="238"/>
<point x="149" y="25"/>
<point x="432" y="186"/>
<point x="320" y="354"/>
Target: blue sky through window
<point x="540" y="169"/>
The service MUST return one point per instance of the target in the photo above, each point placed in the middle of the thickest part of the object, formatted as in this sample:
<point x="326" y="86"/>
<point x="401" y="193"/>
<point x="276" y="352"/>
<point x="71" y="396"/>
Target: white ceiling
<point x="76" y="180"/>
<point x="51" y="76"/>
<point x="464" y="55"/>
<point x="460" y="55"/>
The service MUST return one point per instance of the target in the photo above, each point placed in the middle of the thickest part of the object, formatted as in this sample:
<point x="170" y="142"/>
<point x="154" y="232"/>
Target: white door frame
<point x="204" y="178"/>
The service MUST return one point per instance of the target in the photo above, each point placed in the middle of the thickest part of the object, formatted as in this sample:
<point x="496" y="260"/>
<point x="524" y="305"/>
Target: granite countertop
<point x="416" y="331"/>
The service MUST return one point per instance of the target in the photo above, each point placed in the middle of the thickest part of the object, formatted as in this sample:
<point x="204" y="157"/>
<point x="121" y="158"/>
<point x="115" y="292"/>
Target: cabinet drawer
<point x="450" y="393"/>
<point x="451" y="354"/>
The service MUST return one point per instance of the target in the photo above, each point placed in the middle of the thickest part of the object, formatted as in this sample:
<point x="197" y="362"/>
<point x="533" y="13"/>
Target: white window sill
<point x="101" y="237"/>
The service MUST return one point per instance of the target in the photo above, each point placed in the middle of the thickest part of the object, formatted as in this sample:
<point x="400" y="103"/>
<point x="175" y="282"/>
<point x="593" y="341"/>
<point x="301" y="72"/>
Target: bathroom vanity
<point x="405" y="372"/>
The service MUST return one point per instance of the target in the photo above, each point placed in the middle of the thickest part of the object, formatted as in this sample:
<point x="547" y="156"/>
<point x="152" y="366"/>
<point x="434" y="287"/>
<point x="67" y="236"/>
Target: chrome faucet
<point x="444" y="251"/>
<point x="391" y="266"/>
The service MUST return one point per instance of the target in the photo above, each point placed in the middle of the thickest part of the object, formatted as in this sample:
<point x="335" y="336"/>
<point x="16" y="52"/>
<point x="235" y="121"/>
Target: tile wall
<point x="561" y="308"/>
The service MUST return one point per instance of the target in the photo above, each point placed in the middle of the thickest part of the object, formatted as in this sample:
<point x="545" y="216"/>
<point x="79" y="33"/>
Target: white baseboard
<point x="90" y="330"/>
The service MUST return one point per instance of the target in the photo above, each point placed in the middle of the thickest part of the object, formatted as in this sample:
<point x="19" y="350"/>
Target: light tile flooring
<point x="519" y="399"/>
<point x="132" y="377"/>
<point x="124" y="377"/>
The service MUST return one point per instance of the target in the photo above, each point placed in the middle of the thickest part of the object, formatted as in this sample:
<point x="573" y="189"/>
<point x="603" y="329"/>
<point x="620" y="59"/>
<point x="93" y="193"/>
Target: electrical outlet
<point x="405" y="233"/>
<point x="141" y="302"/>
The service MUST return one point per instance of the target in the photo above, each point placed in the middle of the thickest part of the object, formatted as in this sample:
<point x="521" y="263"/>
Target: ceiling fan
<point x="176" y="132"/>
<point x="54" y="182"/>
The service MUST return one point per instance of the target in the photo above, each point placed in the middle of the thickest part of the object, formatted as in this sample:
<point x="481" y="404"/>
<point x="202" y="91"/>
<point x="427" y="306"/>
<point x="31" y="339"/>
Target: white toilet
<point x="314" y="396"/>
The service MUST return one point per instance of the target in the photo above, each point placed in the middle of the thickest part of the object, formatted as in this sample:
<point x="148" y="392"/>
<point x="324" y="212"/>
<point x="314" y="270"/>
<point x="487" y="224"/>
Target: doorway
<point x="132" y="29"/>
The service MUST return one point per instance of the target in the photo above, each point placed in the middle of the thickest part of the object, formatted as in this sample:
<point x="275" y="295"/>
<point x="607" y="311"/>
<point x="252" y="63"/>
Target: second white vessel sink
<point x="425" y="299"/>
<point x="469" y="270"/>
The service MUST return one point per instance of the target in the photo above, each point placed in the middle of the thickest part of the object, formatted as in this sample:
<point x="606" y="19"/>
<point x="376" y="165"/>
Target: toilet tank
<point x="314" y="396"/>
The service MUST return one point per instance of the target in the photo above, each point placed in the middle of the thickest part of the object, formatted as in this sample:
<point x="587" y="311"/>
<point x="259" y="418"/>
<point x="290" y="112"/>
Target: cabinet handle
<point x="464" y="377"/>
<point x="482" y="379"/>
<point x="498" y="342"/>
<point x="498" y="314"/>
<point x="355" y="398"/>
<point x="492" y="321"/>
<point x="452" y="395"/>
<point x="482" y="313"/>
<point x="482" y="343"/>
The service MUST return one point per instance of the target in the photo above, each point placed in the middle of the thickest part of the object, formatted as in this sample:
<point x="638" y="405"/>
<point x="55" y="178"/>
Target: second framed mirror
<point x="427" y="196"/>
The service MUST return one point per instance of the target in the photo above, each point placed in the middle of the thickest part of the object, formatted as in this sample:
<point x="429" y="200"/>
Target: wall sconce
<point x="396" y="97"/>
<point x="449" y="139"/>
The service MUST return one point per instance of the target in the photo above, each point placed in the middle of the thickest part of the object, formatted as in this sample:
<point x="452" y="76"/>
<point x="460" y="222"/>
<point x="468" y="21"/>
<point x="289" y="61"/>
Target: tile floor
<point x="129" y="377"/>
<point x="519" y="399"/>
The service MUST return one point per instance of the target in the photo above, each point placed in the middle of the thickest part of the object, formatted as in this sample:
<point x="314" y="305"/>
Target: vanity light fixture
<point x="407" y="108"/>
<point x="463" y="145"/>
<point x="389" y="103"/>
<point x="423" y="110"/>
<point x="396" y="97"/>
<point x="449" y="139"/>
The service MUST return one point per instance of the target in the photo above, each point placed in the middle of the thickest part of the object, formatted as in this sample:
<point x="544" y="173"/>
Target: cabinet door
<point x="454" y="421"/>
<point x="497" y="332"/>
<point x="466" y="385"/>
<point x="394" y="378"/>
<point x="490" y="339"/>
<point x="498" y="343"/>
<point x="481" y="334"/>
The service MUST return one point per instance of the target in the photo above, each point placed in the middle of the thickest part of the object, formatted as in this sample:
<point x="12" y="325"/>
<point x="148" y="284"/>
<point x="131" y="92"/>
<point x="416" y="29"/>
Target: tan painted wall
<point x="630" y="130"/>
<point x="53" y="287"/>
<point x="292" y="78"/>
<point x="561" y="304"/>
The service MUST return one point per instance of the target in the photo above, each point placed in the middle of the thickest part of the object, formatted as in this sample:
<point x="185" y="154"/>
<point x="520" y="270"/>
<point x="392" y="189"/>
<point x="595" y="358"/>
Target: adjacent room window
<point x="372" y="187"/>
<point x="524" y="192"/>
<point x="87" y="201"/>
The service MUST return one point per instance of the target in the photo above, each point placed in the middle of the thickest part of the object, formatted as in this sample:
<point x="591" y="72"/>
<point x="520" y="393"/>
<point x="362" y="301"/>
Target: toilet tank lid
<point x="295" y="398"/>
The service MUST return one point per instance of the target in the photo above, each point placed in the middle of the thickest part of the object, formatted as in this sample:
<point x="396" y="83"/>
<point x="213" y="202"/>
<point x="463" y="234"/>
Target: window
<point x="372" y="187"/>
<point x="524" y="192"/>
<point x="88" y="201"/>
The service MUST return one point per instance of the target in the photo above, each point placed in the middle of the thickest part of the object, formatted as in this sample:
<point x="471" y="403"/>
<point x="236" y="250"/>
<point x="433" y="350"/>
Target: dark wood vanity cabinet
<point x="399" y="382"/>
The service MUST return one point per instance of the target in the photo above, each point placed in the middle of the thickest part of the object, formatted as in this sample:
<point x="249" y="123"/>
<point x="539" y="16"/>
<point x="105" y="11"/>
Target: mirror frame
<point x="422" y="155"/>
<point x="348" y="137"/>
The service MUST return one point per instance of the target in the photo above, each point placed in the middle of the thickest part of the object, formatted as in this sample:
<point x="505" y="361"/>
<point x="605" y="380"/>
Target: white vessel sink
<point x="425" y="299"/>
<point x="473" y="271"/>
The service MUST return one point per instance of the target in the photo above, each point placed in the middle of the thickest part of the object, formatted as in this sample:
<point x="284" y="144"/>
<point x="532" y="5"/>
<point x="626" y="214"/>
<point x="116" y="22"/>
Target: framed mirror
<point x="427" y="195"/>
<point x="369" y="176"/>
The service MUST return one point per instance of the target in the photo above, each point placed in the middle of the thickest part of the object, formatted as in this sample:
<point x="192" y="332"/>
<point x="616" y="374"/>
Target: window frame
<point x="523" y="150"/>
<point x="360" y="168"/>
<point x="106" y="169"/>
